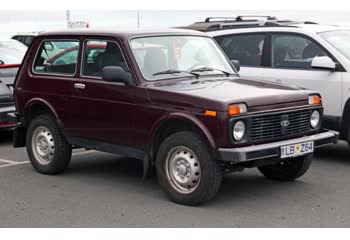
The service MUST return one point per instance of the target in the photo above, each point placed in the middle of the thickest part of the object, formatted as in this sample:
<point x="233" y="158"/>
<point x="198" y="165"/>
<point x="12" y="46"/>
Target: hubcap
<point x="43" y="145"/>
<point x="183" y="169"/>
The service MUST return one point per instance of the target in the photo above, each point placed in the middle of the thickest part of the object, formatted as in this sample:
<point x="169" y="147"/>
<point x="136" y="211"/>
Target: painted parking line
<point x="9" y="163"/>
<point x="14" y="164"/>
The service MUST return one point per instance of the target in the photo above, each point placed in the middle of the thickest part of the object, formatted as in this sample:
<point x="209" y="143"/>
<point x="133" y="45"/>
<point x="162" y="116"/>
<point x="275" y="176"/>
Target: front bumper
<point x="7" y="117"/>
<point x="272" y="150"/>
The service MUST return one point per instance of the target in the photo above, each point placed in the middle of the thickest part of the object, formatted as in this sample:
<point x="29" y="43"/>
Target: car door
<point x="52" y="81"/>
<point x="291" y="56"/>
<point x="103" y="111"/>
<point x="247" y="48"/>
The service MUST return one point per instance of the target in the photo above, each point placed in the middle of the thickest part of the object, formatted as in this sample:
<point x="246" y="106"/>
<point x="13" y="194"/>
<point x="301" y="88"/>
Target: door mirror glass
<point x="236" y="64"/>
<point x="116" y="74"/>
<point x="323" y="63"/>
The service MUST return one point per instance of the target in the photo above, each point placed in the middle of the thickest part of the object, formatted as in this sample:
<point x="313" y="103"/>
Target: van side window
<point x="57" y="57"/>
<point x="293" y="51"/>
<point x="99" y="54"/>
<point x="247" y="49"/>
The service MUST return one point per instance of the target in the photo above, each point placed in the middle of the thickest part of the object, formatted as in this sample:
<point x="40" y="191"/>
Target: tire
<point x="288" y="170"/>
<point x="47" y="148"/>
<point x="205" y="173"/>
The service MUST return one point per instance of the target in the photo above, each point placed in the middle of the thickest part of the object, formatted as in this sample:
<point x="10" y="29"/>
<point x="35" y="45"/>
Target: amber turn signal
<point x="314" y="100"/>
<point x="237" y="109"/>
<point x="210" y="113"/>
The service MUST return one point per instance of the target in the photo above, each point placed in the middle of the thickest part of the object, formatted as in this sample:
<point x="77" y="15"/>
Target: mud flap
<point x="19" y="136"/>
<point x="148" y="167"/>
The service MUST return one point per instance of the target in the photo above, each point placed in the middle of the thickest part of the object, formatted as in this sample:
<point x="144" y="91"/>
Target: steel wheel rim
<point x="183" y="169"/>
<point x="43" y="145"/>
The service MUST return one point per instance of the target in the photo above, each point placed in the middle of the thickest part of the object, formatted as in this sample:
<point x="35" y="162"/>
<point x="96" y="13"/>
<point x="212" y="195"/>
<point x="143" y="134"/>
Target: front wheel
<point x="289" y="169"/>
<point x="186" y="171"/>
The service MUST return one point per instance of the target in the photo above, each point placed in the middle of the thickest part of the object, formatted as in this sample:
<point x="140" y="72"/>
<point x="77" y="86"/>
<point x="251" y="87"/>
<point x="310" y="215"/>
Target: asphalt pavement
<point x="105" y="190"/>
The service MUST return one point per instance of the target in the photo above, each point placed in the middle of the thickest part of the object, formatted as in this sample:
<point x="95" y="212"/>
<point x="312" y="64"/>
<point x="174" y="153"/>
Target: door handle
<point x="79" y="86"/>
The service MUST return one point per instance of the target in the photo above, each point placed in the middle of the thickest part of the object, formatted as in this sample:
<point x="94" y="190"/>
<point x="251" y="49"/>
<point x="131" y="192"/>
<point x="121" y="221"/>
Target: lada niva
<point x="170" y="98"/>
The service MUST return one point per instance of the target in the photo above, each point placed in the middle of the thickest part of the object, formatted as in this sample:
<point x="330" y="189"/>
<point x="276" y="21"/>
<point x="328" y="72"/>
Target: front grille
<point x="269" y="126"/>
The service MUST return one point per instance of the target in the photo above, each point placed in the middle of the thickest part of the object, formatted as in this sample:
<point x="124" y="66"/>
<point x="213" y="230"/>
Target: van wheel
<point x="48" y="150"/>
<point x="186" y="171"/>
<point x="289" y="169"/>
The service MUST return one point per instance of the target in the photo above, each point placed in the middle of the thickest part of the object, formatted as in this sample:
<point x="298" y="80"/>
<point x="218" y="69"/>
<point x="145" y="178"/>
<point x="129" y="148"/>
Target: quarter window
<point x="291" y="51"/>
<point x="54" y="60"/>
<point x="99" y="54"/>
<point x="247" y="49"/>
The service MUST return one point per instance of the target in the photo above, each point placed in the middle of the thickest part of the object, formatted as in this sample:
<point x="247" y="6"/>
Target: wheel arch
<point x="344" y="126"/>
<point x="176" y="122"/>
<point x="36" y="107"/>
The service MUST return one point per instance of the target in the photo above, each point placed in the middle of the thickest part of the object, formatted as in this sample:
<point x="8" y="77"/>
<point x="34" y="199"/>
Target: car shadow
<point x="6" y="137"/>
<point x="338" y="153"/>
<point x="126" y="175"/>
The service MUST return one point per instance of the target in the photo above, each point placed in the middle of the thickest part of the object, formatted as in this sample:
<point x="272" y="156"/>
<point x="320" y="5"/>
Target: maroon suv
<point x="170" y="98"/>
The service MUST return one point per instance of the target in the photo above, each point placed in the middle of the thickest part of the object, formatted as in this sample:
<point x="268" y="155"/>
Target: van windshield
<point x="164" y="57"/>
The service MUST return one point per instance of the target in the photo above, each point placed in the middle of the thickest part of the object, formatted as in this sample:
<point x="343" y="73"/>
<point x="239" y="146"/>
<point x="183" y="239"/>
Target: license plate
<point x="298" y="149"/>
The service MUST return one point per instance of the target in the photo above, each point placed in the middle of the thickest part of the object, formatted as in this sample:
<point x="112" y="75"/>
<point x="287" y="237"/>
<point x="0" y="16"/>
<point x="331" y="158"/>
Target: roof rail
<point x="269" y="18"/>
<point x="239" y="18"/>
<point x="225" y="19"/>
<point x="247" y="24"/>
<point x="308" y="22"/>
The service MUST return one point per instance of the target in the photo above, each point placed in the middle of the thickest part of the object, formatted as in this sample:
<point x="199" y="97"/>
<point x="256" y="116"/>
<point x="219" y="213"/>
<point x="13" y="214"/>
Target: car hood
<point x="218" y="94"/>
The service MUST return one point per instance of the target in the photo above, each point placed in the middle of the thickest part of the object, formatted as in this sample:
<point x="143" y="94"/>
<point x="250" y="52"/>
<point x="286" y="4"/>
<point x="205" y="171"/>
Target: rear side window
<point x="294" y="51"/>
<point x="247" y="49"/>
<point x="53" y="60"/>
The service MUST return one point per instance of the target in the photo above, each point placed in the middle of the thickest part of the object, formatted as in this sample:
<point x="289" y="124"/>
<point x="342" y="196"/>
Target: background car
<point x="25" y="38"/>
<point x="11" y="55"/>
<point x="304" y="54"/>
<point x="12" y="44"/>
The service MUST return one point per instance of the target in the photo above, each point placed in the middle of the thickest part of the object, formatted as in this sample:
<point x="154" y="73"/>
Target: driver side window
<point x="293" y="51"/>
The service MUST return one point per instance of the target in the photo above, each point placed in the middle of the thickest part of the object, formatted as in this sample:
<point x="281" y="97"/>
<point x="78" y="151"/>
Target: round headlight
<point x="239" y="130"/>
<point x="315" y="119"/>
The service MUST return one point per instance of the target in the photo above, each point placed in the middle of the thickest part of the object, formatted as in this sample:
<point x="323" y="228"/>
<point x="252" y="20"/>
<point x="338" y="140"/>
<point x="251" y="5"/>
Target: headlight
<point x="238" y="130"/>
<point x="315" y="119"/>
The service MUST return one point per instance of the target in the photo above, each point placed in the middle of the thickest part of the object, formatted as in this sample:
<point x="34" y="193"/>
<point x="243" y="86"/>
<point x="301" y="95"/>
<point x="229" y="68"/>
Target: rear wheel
<point x="48" y="150"/>
<point x="186" y="171"/>
<point x="289" y="169"/>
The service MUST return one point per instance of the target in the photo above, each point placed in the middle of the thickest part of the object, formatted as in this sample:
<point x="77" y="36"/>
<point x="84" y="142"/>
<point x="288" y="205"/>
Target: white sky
<point x="12" y="21"/>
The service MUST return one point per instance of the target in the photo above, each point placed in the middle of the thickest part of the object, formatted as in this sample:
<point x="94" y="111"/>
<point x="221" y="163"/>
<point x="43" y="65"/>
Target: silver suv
<point x="304" y="54"/>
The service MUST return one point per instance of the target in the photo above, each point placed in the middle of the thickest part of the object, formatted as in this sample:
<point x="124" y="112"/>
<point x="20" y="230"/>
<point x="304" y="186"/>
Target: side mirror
<point x="236" y="64"/>
<point x="116" y="74"/>
<point x="324" y="62"/>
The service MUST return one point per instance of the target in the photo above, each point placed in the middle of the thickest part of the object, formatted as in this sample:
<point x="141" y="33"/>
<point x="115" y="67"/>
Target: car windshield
<point x="164" y="57"/>
<point x="339" y="40"/>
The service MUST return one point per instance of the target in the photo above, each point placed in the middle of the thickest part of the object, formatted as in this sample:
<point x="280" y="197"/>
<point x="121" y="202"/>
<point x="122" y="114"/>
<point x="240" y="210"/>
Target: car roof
<point x="301" y="28"/>
<point x="124" y="33"/>
<point x="221" y="25"/>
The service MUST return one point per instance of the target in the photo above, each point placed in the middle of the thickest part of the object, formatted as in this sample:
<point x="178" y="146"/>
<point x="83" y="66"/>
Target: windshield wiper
<point x="171" y="71"/>
<point x="208" y="69"/>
